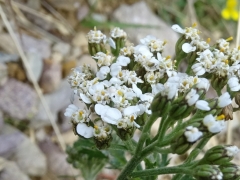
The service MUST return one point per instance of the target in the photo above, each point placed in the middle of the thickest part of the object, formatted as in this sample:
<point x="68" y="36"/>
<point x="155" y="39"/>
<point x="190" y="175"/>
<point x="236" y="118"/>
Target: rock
<point x="25" y="153"/>
<point x="3" y="74"/>
<point x="41" y="46"/>
<point x="9" y="142"/>
<point x="62" y="48"/>
<point x="56" y="101"/>
<point x="11" y="171"/>
<point x="51" y="76"/>
<point x="140" y="13"/>
<point x="18" y="100"/>
<point x="35" y="63"/>
<point x="57" y="57"/>
<point x="80" y="39"/>
<point x="57" y="160"/>
<point x="8" y="57"/>
<point x="75" y="52"/>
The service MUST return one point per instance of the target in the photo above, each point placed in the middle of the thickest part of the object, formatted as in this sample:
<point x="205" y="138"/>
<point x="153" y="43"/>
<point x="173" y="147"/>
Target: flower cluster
<point x="135" y="85"/>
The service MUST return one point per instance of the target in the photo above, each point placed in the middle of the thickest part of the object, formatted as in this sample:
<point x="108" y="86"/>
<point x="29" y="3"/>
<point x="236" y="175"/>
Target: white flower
<point x="118" y="33"/>
<point x="198" y="69"/>
<point x="192" y="134"/>
<point x="168" y="89"/>
<point x="102" y="59"/>
<point x="202" y="105"/>
<point x="84" y="130"/>
<point x="123" y="60"/>
<point x="108" y="114"/>
<point x="115" y="68"/>
<point x="192" y="97"/>
<point x="70" y="110"/>
<point x="187" y="48"/>
<point x="232" y="150"/>
<point x="213" y="125"/>
<point x="178" y="29"/>
<point x="102" y="73"/>
<point x="224" y="100"/>
<point x="203" y="84"/>
<point x="234" y="84"/>
<point x="96" y="36"/>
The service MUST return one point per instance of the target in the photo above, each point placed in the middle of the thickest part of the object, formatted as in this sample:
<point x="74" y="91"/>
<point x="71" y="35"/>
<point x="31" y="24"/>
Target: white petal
<point x="101" y="109"/>
<point x="112" y="43"/>
<point x="177" y="28"/>
<point x="85" y="98"/>
<point x="111" y="116"/>
<point x="130" y="110"/>
<point x="84" y="130"/>
<point x="123" y="60"/>
<point x="136" y="90"/>
<point x="187" y="48"/>
<point x="224" y="100"/>
<point x="115" y="68"/>
<point x="202" y="105"/>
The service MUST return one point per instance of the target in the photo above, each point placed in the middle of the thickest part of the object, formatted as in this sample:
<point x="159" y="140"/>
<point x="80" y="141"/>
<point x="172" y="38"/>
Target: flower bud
<point x="103" y="143"/>
<point x="227" y="111"/>
<point x="207" y="172"/>
<point x="126" y="133"/>
<point x="230" y="171"/>
<point x="180" y="145"/>
<point x="219" y="155"/>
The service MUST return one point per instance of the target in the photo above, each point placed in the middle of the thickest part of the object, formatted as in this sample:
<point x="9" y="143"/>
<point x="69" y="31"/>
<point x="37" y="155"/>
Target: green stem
<point x="138" y="156"/>
<point x="163" y="170"/>
<point x="134" y="161"/>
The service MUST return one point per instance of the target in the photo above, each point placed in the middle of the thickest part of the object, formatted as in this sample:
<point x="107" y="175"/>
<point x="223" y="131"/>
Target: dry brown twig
<point x="32" y="78"/>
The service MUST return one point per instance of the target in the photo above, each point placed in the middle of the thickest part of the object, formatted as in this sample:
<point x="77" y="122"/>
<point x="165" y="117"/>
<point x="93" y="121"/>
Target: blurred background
<point x="42" y="40"/>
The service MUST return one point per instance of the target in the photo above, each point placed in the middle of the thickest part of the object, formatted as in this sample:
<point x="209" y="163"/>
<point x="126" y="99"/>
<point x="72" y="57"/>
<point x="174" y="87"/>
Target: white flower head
<point x="187" y="48"/>
<point x="118" y="33"/>
<point x="234" y="84"/>
<point x="70" y="110"/>
<point x="224" y="100"/>
<point x="108" y="114"/>
<point x="192" y="134"/>
<point x="192" y="97"/>
<point x="103" y="72"/>
<point x="103" y="59"/>
<point x="83" y="130"/>
<point x="123" y="60"/>
<point x="96" y="36"/>
<point x="202" y="105"/>
<point x="232" y="150"/>
<point x="213" y="125"/>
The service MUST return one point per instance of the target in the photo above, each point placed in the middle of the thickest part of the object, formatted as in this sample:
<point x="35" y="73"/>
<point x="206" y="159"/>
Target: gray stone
<point x="139" y="13"/>
<point x="35" y="63"/>
<point x="56" y="101"/>
<point x="18" y="100"/>
<point x="8" y="57"/>
<point x="62" y="48"/>
<point x="10" y="171"/>
<point x="26" y="154"/>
